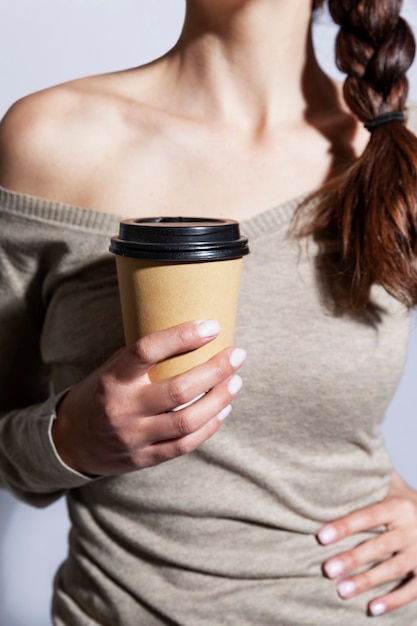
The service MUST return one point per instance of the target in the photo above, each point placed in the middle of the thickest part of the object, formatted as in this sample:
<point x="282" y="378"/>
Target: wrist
<point x="62" y="437"/>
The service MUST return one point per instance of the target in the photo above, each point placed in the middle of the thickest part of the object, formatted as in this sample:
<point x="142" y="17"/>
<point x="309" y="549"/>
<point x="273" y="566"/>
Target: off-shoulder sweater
<point x="226" y="534"/>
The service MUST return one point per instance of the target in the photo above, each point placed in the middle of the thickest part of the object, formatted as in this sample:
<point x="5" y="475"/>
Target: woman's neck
<point x="250" y="62"/>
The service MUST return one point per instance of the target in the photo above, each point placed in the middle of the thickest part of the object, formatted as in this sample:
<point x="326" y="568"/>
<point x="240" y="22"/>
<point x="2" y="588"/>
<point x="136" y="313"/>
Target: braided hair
<point x="365" y="218"/>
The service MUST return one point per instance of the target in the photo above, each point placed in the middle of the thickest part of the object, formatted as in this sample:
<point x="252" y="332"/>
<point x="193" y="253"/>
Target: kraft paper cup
<point x="173" y="270"/>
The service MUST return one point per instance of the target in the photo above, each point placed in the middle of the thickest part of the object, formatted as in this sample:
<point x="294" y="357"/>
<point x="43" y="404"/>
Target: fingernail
<point x="346" y="588"/>
<point x="208" y="328"/>
<point x="224" y="413"/>
<point x="237" y="357"/>
<point x="378" y="609"/>
<point x="235" y="384"/>
<point x="327" y="534"/>
<point x="334" y="568"/>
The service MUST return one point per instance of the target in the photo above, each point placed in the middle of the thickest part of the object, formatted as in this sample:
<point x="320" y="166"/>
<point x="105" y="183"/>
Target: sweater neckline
<point x="86" y="219"/>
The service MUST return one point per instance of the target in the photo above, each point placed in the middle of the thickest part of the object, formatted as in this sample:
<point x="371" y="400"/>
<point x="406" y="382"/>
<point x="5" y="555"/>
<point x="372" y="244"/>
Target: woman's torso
<point x="225" y="535"/>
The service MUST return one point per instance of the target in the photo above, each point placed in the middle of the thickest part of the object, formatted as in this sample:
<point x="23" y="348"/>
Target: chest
<point x="211" y="174"/>
<point x="308" y="370"/>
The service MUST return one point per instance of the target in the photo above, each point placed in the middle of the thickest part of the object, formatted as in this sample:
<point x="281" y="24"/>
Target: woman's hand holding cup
<point x="116" y="420"/>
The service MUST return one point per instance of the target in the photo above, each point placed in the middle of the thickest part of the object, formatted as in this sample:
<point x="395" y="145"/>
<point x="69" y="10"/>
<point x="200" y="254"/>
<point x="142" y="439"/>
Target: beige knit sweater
<point x="226" y="535"/>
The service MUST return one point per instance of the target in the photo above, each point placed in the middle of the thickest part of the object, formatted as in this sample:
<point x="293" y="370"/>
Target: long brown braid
<point x="365" y="220"/>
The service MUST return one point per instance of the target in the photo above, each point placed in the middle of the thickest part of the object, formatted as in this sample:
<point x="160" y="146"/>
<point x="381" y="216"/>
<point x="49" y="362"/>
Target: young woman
<point x="290" y="513"/>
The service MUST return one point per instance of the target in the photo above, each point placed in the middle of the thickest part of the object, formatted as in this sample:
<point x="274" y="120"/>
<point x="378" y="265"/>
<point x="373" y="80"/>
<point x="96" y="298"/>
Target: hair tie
<point x="391" y="116"/>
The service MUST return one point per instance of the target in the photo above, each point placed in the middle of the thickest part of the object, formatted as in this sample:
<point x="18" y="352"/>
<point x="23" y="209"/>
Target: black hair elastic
<point x="391" y="116"/>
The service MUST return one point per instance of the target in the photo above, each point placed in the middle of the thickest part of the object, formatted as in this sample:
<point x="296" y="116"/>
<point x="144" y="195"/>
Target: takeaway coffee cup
<point x="175" y="269"/>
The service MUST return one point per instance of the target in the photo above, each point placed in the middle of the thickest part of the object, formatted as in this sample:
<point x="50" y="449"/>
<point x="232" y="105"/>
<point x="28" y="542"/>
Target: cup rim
<point x="180" y="239"/>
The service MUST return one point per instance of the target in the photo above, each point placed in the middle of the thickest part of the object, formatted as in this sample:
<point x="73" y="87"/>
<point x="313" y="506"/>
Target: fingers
<point x="195" y="415"/>
<point x="392" y="512"/>
<point x="138" y="358"/>
<point x="405" y="593"/>
<point x="371" y="551"/>
<point x="393" y="569"/>
<point x="172" y="448"/>
<point x="390" y="556"/>
<point x="168" y="434"/>
<point x="131" y="421"/>
<point x="393" y="552"/>
<point x="166" y="395"/>
<point x="358" y="521"/>
<point x="389" y="571"/>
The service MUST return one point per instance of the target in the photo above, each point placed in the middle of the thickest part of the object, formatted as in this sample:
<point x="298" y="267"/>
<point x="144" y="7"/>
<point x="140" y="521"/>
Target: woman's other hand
<point x="116" y="420"/>
<point x="394" y="551"/>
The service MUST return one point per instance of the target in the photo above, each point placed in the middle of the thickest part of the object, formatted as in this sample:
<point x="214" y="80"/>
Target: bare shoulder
<point x="53" y="140"/>
<point x="33" y="138"/>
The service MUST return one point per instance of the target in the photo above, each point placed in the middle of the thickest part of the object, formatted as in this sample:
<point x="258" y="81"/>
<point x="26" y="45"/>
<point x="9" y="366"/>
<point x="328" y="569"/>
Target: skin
<point x="241" y="87"/>
<point x="131" y="421"/>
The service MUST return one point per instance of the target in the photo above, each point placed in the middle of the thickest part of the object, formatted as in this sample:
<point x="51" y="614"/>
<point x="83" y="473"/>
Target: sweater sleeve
<point x="29" y="465"/>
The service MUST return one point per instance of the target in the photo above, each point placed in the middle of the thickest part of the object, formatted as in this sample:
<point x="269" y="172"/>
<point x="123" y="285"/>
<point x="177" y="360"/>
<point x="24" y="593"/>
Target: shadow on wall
<point x="32" y="545"/>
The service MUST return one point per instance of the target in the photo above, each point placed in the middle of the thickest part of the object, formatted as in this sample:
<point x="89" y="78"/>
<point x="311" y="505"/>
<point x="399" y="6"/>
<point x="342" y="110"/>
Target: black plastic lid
<point x="180" y="239"/>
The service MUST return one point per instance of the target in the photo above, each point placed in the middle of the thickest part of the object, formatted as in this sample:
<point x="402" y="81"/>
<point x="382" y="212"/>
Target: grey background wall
<point x="49" y="41"/>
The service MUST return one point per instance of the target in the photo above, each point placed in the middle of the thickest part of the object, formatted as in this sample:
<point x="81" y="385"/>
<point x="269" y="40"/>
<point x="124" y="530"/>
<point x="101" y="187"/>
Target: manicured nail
<point x="224" y="413"/>
<point x="346" y="588"/>
<point x="334" y="568"/>
<point x="378" y="609"/>
<point x="327" y="535"/>
<point x="235" y="384"/>
<point x="237" y="357"/>
<point x="208" y="328"/>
